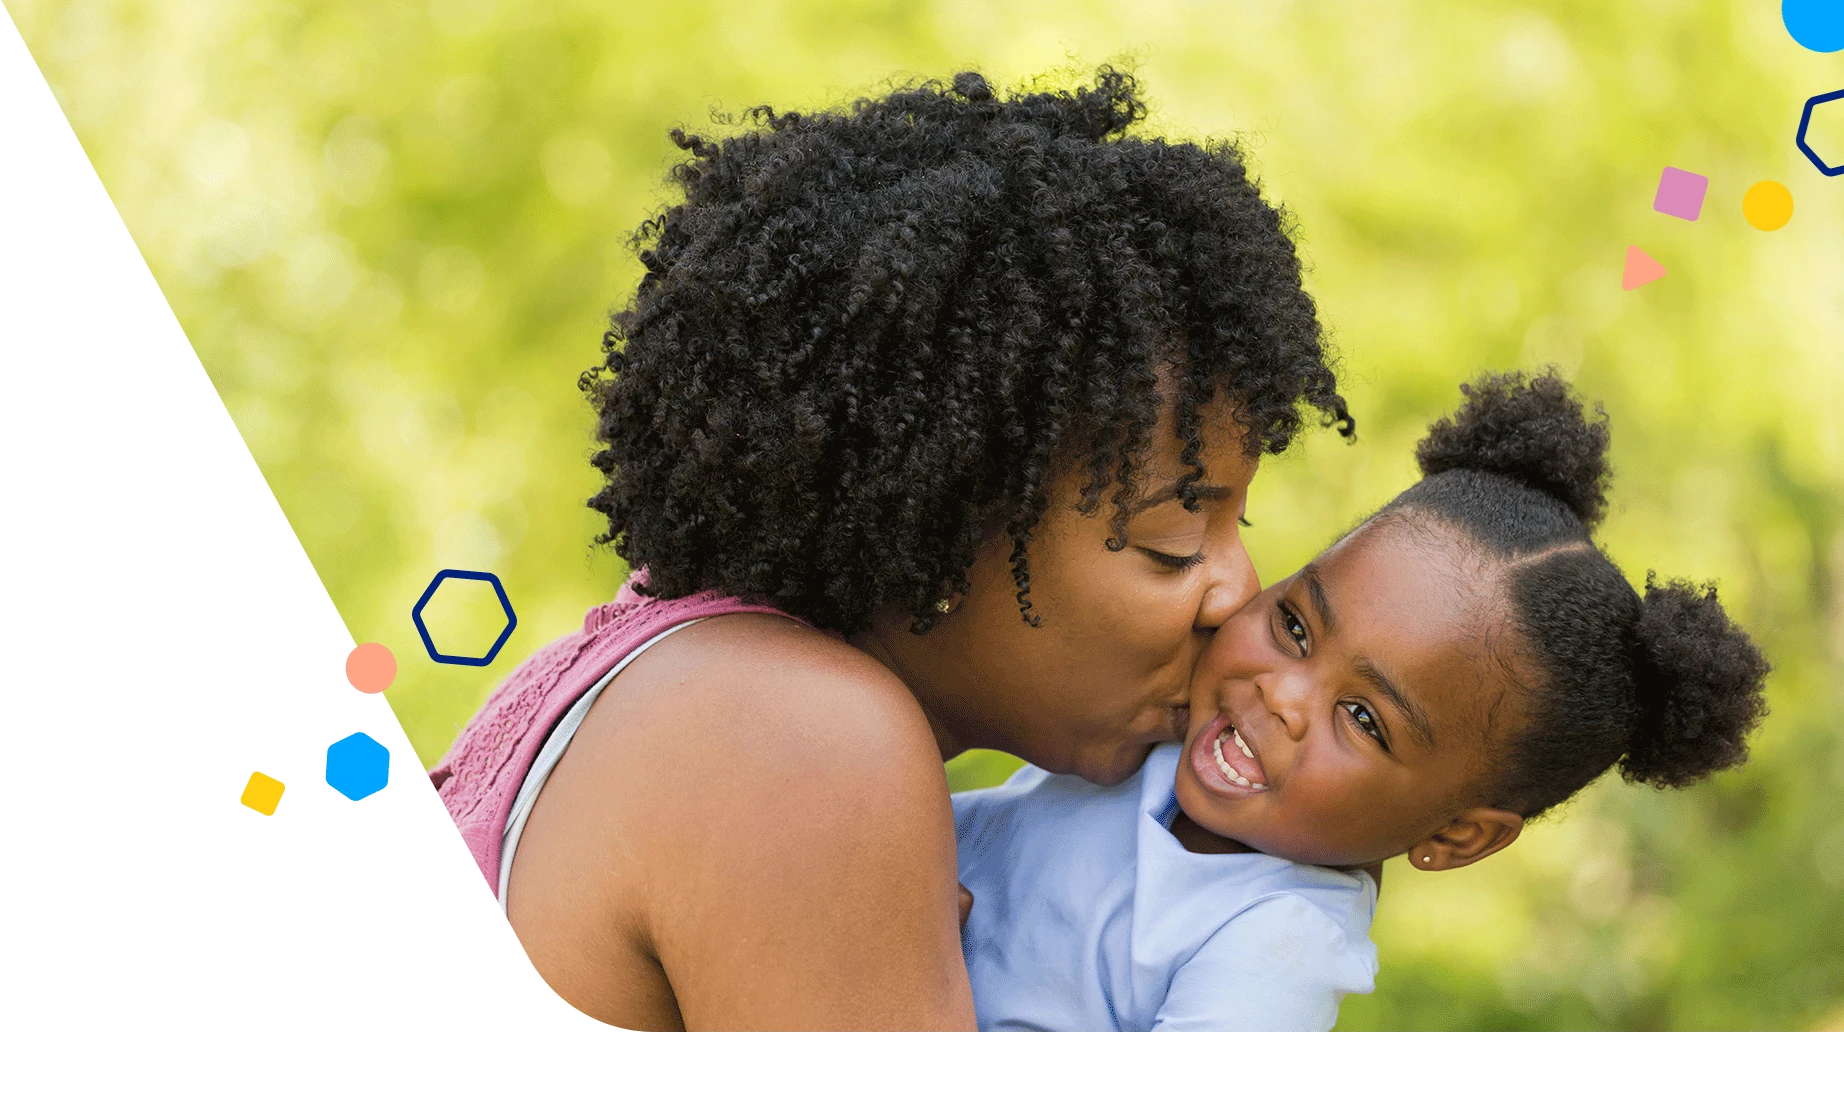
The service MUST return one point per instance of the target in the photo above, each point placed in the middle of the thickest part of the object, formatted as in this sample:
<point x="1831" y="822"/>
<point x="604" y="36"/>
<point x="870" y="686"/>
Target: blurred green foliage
<point x="393" y="231"/>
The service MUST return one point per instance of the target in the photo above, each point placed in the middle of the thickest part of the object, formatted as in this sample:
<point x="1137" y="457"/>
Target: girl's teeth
<point x="1223" y="766"/>
<point x="1229" y="773"/>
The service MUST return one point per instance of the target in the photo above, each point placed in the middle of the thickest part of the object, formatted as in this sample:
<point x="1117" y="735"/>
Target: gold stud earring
<point x="944" y="606"/>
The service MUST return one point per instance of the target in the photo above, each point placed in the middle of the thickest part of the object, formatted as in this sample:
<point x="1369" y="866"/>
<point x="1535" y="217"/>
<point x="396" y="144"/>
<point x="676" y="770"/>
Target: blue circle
<point x="1815" y="24"/>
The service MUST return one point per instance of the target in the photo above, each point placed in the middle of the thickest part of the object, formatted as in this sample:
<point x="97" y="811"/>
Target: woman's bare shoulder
<point x="761" y="809"/>
<point x="764" y="638"/>
<point x="795" y="834"/>
<point x="769" y="696"/>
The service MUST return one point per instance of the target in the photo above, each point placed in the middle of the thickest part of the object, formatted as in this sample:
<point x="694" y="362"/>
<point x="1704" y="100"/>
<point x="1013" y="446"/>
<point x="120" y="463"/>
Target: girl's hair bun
<point x="1699" y="681"/>
<point x="1531" y="430"/>
<point x="1664" y="686"/>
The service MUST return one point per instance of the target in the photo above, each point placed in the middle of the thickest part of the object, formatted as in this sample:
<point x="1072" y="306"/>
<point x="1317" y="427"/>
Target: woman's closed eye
<point x="1176" y="563"/>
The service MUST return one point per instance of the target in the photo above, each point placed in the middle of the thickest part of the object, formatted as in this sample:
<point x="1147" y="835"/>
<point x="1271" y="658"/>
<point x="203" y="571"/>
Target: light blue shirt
<point x="1089" y="916"/>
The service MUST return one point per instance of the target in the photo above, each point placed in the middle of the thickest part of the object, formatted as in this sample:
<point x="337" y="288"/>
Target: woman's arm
<point x="756" y="830"/>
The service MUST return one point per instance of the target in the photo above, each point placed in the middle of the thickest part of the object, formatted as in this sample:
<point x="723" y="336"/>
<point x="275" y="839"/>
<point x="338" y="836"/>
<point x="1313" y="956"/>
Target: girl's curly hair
<point x="867" y="336"/>
<point x="1662" y="684"/>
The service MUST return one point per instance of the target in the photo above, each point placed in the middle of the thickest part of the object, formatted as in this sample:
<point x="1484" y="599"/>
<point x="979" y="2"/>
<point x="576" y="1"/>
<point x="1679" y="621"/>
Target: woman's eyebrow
<point x="1407" y="707"/>
<point x="1203" y="492"/>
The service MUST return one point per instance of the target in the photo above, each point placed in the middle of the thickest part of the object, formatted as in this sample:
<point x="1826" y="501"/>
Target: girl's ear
<point x="1478" y="833"/>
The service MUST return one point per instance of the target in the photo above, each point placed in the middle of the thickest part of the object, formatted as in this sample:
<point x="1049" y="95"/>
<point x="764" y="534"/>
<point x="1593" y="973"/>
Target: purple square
<point x="1680" y="193"/>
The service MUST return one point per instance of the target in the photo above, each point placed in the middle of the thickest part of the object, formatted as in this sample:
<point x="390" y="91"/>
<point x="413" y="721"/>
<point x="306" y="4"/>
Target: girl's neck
<point x="1196" y="839"/>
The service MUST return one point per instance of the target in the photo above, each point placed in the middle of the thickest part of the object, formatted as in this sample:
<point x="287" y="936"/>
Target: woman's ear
<point x="1478" y="833"/>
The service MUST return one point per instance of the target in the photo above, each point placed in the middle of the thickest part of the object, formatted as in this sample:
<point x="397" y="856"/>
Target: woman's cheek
<point x="1155" y="618"/>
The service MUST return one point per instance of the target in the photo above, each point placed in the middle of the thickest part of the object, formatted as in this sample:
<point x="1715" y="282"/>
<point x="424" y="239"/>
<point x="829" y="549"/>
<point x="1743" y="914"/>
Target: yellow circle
<point x="1768" y="205"/>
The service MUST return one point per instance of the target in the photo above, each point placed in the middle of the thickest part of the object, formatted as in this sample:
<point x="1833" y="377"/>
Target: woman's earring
<point x="1425" y="860"/>
<point x="942" y="608"/>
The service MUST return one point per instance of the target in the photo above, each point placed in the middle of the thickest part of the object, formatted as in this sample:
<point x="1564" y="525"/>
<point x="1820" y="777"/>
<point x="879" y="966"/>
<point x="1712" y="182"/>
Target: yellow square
<point x="262" y="793"/>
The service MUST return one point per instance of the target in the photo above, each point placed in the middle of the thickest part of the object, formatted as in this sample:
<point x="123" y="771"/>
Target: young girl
<point x="1455" y="666"/>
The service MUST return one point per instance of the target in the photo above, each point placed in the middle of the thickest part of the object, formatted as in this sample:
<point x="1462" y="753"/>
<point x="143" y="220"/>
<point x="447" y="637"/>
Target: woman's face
<point x="1105" y="675"/>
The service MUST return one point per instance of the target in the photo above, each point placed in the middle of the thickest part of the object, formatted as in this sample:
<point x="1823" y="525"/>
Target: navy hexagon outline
<point x="1805" y="121"/>
<point x="416" y="615"/>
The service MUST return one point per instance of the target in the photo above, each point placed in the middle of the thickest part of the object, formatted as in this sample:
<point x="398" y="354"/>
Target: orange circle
<point x="371" y="667"/>
<point x="1768" y="205"/>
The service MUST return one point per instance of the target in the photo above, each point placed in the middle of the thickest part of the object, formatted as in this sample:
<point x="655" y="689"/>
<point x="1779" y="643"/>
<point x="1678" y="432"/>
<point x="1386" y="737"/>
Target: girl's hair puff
<point x="1664" y="685"/>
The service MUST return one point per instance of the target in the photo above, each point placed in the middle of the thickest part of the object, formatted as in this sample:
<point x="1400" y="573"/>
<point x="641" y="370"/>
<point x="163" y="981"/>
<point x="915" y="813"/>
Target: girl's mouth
<point x="1225" y="763"/>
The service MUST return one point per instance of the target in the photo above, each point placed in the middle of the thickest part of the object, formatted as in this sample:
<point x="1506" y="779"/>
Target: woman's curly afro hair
<point x="868" y="336"/>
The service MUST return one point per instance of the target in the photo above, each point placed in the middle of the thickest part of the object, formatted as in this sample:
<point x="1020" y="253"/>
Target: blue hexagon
<point x="1805" y="121"/>
<point x="416" y="615"/>
<point x="357" y="766"/>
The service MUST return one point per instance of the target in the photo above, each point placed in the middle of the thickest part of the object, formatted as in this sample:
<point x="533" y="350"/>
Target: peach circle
<point x="1768" y="205"/>
<point x="371" y="667"/>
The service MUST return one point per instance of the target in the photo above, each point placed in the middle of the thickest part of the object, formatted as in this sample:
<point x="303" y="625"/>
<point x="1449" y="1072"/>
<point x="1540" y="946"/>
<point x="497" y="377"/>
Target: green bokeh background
<point x="392" y="232"/>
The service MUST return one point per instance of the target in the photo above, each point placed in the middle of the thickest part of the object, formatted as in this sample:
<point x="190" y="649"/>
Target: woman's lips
<point x="1225" y="763"/>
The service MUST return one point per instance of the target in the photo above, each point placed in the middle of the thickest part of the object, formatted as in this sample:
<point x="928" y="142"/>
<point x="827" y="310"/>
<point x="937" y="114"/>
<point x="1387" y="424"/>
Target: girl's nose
<point x="1231" y="585"/>
<point x="1285" y="692"/>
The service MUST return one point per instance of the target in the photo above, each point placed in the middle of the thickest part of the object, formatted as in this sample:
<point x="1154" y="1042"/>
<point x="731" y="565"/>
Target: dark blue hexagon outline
<point x="1805" y="121"/>
<point x="416" y="615"/>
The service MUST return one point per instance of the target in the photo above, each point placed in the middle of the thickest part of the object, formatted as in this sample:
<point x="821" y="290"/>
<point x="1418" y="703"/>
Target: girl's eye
<point x="1367" y="722"/>
<point x="1176" y="563"/>
<point x="1293" y="627"/>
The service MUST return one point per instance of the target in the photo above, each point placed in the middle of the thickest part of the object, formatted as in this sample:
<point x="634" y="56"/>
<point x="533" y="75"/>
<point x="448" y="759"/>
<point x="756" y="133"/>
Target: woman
<point x="931" y="424"/>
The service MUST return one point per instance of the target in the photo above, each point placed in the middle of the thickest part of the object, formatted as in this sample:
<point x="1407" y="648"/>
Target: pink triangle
<point x="1640" y="269"/>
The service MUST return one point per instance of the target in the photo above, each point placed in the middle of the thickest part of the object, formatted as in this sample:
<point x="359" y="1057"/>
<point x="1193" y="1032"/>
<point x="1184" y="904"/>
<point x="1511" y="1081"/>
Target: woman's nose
<point x="1232" y="584"/>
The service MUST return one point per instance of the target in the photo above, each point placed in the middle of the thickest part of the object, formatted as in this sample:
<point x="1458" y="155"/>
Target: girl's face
<point x="1344" y="714"/>
<point x="1106" y="675"/>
